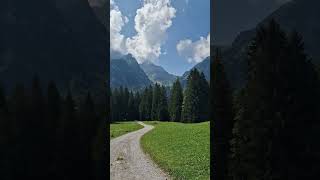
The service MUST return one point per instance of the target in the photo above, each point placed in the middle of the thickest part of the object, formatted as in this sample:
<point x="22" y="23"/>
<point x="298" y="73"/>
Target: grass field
<point x="120" y="128"/>
<point x="183" y="150"/>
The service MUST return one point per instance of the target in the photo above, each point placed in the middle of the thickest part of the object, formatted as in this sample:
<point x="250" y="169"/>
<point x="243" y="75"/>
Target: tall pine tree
<point x="155" y="102"/>
<point x="176" y="99"/>
<point x="277" y="114"/>
<point x="163" y="114"/>
<point x="192" y="99"/>
<point x="222" y="118"/>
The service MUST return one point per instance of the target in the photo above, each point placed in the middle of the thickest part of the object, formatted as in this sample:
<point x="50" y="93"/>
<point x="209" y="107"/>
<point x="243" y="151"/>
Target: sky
<point x="174" y="34"/>
<point x="233" y="16"/>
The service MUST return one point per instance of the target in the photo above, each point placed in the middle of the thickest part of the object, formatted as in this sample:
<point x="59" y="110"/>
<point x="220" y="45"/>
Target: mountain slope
<point x="203" y="66"/>
<point x="157" y="74"/>
<point x="299" y="15"/>
<point x="58" y="40"/>
<point x="127" y="72"/>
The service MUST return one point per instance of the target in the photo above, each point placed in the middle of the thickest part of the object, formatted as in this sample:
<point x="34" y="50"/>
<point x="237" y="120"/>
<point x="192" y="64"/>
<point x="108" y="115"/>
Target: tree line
<point x="270" y="128"/>
<point x="157" y="103"/>
<point x="49" y="136"/>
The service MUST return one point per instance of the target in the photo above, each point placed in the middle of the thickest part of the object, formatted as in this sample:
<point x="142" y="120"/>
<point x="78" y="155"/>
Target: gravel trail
<point x="127" y="160"/>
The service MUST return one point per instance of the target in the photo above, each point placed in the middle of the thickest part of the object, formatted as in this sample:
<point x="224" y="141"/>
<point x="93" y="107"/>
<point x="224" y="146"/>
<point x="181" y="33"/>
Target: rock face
<point x="126" y="72"/>
<point x="299" y="15"/>
<point x="157" y="74"/>
<point x="57" y="40"/>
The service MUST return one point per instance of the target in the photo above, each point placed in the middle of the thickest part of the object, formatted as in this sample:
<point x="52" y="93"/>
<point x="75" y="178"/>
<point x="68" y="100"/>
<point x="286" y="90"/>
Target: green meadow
<point x="121" y="128"/>
<point x="182" y="150"/>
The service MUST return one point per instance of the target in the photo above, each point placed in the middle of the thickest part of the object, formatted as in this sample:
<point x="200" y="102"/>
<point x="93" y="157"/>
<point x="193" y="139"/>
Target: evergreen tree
<point x="149" y="103"/>
<point x="131" y="107"/>
<point x="68" y="148"/>
<point x="5" y="136"/>
<point x="115" y="106"/>
<point x="162" y="110"/>
<point x="280" y="99"/>
<point x="155" y="102"/>
<point x="53" y="119"/>
<point x="125" y="104"/>
<point x="20" y="119"/>
<point x="98" y="153"/>
<point x="191" y="100"/>
<point x="176" y="100"/>
<point x="54" y="105"/>
<point x="37" y="130"/>
<point x="137" y="101"/>
<point x="222" y="118"/>
<point x="88" y="124"/>
<point x="203" y="89"/>
<point x="143" y="104"/>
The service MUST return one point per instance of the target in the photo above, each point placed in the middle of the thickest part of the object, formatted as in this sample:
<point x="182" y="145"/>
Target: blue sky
<point x="185" y="22"/>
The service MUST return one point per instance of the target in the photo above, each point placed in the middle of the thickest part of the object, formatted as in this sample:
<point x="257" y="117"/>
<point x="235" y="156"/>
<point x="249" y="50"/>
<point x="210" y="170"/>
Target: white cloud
<point x="151" y="23"/>
<point x="194" y="51"/>
<point x="117" y="21"/>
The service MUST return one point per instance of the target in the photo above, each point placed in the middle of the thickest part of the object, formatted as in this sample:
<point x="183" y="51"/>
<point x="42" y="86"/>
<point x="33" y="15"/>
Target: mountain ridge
<point x="157" y="74"/>
<point x="301" y="16"/>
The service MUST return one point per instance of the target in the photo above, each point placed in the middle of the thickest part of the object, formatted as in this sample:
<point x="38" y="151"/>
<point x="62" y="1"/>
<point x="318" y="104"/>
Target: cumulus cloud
<point x="151" y="23"/>
<point x="117" y="21"/>
<point x="194" y="51"/>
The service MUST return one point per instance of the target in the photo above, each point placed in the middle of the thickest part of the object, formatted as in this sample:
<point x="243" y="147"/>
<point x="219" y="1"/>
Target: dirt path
<point x="127" y="160"/>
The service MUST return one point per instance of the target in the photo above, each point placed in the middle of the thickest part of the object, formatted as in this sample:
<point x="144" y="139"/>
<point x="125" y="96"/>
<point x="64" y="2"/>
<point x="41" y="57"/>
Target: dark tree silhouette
<point x="278" y="112"/>
<point x="176" y="100"/>
<point x="222" y="118"/>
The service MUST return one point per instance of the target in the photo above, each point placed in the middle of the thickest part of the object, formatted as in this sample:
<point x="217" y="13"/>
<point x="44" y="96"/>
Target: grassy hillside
<point x="183" y="150"/>
<point x="121" y="128"/>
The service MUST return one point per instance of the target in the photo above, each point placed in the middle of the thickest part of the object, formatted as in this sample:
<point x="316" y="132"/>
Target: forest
<point x="270" y="128"/>
<point x="159" y="103"/>
<point x="48" y="135"/>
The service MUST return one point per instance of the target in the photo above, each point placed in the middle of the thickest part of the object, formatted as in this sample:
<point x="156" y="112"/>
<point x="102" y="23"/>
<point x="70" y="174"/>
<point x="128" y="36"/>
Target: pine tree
<point x="176" y="100"/>
<point x="203" y="89"/>
<point x="54" y="105"/>
<point x="53" y="119"/>
<point x="5" y="136"/>
<point x="162" y="111"/>
<point x="125" y="107"/>
<point x="68" y="148"/>
<point x="280" y="99"/>
<point x="222" y="118"/>
<point x="149" y="103"/>
<point x="155" y="102"/>
<point x="191" y="101"/>
<point x="143" y="104"/>
<point x="88" y="125"/>
<point x="137" y="101"/>
<point x="99" y="154"/>
<point x="115" y="106"/>
<point x="20" y="119"/>
<point x="131" y="107"/>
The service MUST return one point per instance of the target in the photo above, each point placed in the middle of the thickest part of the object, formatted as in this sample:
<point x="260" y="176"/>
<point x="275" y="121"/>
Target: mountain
<point x="126" y="72"/>
<point x="232" y="16"/>
<point x="203" y="66"/>
<point x="157" y="74"/>
<point x="99" y="7"/>
<point x="299" y="15"/>
<point x="58" y="40"/>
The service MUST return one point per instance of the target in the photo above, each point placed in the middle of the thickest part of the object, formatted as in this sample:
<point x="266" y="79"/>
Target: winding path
<point x="127" y="160"/>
